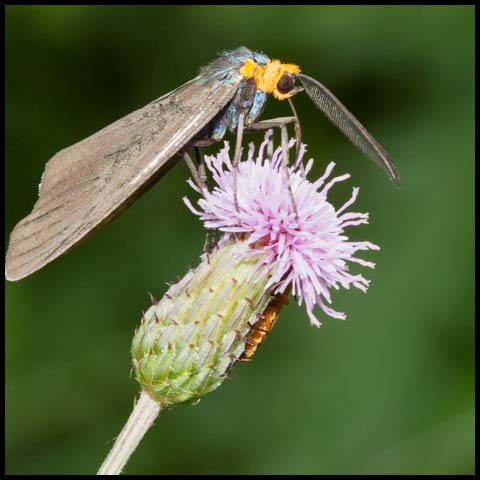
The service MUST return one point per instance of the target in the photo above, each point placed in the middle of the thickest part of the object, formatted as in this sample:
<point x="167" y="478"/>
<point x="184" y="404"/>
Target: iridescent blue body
<point x="248" y="99"/>
<point x="252" y="76"/>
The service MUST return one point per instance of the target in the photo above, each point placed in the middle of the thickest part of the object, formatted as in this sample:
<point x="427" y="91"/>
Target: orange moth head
<point x="274" y="77"/>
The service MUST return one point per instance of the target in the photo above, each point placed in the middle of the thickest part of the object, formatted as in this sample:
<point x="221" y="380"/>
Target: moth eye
<point x="285" y="84"/>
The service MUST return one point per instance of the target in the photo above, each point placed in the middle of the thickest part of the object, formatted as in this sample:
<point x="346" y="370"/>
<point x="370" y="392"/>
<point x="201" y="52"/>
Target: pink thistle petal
<point x="311" y="252"/>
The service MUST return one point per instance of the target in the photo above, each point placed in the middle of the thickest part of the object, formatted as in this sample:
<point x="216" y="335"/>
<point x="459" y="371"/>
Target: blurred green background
<point x="388" y="391"/>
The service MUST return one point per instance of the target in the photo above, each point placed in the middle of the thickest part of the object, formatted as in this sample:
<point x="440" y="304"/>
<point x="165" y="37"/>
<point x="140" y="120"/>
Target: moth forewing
<point x="93" y="180"/>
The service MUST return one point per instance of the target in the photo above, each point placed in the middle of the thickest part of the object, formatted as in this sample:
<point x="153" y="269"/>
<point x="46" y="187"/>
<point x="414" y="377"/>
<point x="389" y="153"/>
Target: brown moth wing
<point x="85" y="185"/>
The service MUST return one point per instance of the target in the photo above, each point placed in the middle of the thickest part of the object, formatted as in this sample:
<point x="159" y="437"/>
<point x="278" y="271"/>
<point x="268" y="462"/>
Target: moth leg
<point x="270" y="147"/>
<point x="276" y="123"/>
<point x="201" y="166"/>
<point x="298" y="135"/>
<point x="285" y="167"/>
<point x="210" y="234"/>
<point x="282" y="123"/>
<point x="236" y="157"/>
<point x="197" y="178"/>
<point x="272" y="123"/>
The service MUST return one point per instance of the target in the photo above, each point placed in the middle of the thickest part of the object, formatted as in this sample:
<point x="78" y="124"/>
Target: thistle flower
<point x="307" y="244"/>
<point x="187" y="342"/>
<point x="283" y="235"/>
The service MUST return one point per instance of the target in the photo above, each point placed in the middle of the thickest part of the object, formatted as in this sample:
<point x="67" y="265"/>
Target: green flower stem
<point x="144" y="413"/>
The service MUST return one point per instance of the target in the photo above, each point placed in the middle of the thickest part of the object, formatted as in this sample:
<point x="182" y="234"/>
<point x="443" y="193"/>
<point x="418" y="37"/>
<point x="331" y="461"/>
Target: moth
<point x="89" y="183"/>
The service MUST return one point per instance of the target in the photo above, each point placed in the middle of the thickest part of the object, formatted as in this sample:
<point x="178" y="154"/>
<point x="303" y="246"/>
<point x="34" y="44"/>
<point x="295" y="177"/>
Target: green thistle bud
<point x="187" y="342"/>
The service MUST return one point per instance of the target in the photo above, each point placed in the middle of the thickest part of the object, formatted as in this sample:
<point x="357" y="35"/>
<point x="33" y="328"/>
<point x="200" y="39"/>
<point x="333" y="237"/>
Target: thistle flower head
<point x="305" y="243"/>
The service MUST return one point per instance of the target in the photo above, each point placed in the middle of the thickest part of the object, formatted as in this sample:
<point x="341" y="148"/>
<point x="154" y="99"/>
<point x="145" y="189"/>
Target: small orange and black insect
<point x="265" y="323"/>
